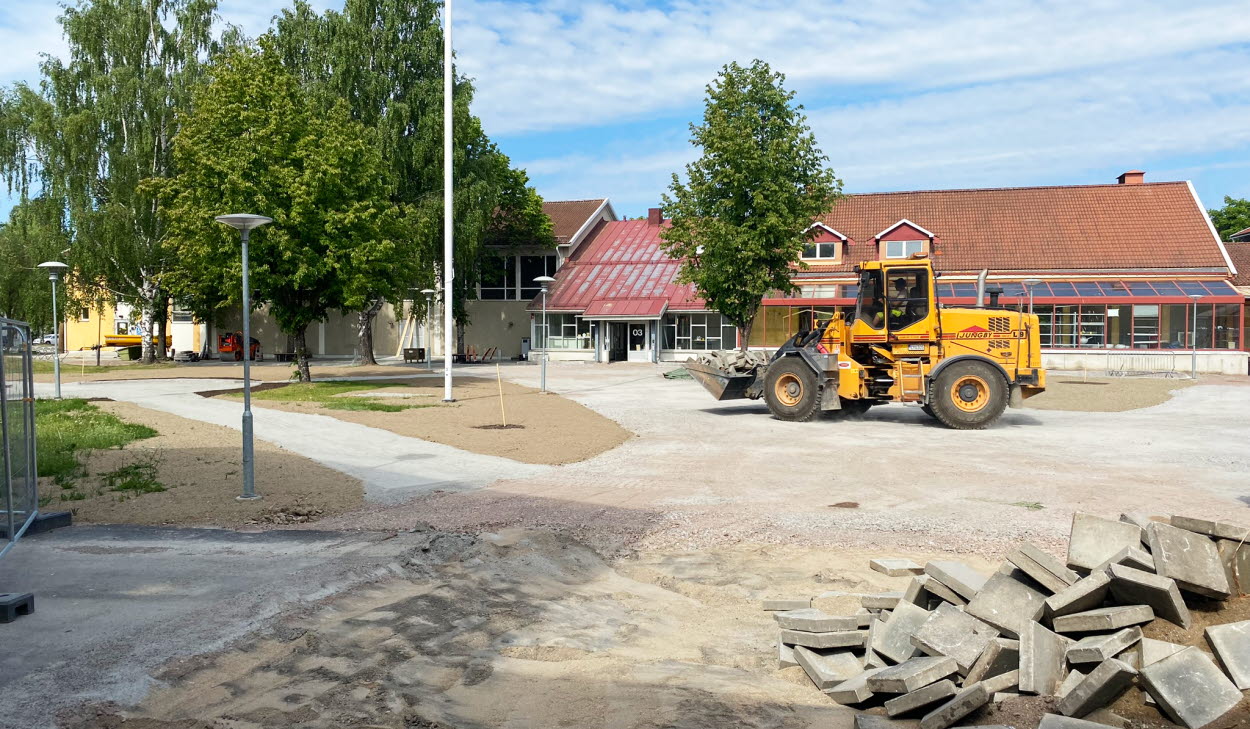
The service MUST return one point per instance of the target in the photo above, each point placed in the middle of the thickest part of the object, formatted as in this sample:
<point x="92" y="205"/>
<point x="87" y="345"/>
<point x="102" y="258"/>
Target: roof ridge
<point x="588" y="199"/>
<point x="1025" y="187"/>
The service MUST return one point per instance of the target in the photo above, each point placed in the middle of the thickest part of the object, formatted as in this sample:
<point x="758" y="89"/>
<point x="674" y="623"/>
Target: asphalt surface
<point x="112" y="603"/>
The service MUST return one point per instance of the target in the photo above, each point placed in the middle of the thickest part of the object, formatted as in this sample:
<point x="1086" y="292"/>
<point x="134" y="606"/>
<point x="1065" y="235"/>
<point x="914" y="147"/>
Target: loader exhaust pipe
<point x="985" y="272"/>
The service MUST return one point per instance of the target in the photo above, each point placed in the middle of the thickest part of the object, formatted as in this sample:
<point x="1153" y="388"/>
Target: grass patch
<point x="66" y="427"/>
<point x="45" y="366"/>
<point x="328" y="395"/>
<point x="137" y="478"/>
<point x="1030" y="505"/>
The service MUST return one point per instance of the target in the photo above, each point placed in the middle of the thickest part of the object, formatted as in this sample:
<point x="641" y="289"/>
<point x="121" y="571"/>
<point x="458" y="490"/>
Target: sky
<point x="595" y="98"/>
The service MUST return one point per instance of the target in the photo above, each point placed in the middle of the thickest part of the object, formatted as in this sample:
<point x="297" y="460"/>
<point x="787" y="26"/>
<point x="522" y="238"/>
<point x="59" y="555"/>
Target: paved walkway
<point x="393" y="467"/>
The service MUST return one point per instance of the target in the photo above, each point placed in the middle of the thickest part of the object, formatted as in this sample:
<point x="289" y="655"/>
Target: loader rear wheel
<point x="791" y="391"/>
<point x="969" y="395"/>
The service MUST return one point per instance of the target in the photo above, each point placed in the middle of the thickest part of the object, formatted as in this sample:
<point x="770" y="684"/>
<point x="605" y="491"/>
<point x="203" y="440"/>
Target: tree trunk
<point x="459" y="338"/>
<point x="745" y="333"/>
<point x="364" y="333"/>
<point x="301" y="356"/>
<point x="147" y="316"/>
<point x="162" y="329"/>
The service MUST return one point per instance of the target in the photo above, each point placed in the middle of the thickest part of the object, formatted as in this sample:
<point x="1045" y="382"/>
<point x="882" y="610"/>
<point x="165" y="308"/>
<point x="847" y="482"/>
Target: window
<point x="1227" y="321"/>
<point x="181" y="313"/>
<point x="903" y="248"/>
<point x="568" y="331"/>
<point x="907" y="297"/>
<point x="699" y="332"/>
<point x="870" y="306"/>
<point x="825" y="249"/>
<point x="511" y="278"/>
<point x="1063" y="332"/>
<point x="84" y="314"/>
<point x="1093" y="328"/>
<point x="1145" y="326"/>
<point x="531" y="268"/>
<point x="1045" y="320"/>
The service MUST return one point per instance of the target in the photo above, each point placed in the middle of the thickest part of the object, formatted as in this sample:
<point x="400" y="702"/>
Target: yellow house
<point x="108" y="325"/>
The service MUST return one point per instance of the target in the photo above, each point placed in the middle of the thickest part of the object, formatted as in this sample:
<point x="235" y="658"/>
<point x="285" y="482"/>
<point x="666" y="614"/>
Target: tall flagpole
<point x="448" y="267"/>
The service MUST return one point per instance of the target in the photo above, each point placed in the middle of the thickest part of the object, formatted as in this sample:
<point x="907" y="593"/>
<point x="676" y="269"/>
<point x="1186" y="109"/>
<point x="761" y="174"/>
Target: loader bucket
<point x="721" y="384"/>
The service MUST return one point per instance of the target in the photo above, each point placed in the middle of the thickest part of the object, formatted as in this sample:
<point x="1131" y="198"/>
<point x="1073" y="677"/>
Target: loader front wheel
<point x="968" y="395"/>
<point x="791" y="391"/>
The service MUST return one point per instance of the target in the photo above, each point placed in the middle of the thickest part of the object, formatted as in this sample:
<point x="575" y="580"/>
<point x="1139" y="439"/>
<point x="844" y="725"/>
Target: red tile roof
<point x="620" y="260"/>
<point x="1240" y="255"/>
<point x="1155" y="225"/>
<point x="1241" y="235"/>
<point x="568" y="216"/>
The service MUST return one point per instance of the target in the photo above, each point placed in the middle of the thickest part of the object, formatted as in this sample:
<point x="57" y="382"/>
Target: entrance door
<point x="618" y="338"/>
<point x="637" y="337"/>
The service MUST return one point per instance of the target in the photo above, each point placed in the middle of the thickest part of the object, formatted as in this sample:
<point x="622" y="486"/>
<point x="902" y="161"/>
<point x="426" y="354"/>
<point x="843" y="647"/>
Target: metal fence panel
<point x="20" y="488"/>
<point x="1137" y="364"/>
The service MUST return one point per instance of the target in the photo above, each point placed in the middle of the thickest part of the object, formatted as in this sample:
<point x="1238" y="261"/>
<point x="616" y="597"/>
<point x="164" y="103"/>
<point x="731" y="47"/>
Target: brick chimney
<point x="1132" y="177"/>
<point x="654" y="217"/>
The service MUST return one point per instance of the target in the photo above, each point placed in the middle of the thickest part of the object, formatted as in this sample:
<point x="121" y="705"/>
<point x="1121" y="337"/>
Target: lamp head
<point x="243" y="221"/>
<point x="544" y="280"/>
<point x="429" y="292"/>
<point x="1031" y="281"/>
<point x="1195" y="297"/>
<point x="54" y="269"/>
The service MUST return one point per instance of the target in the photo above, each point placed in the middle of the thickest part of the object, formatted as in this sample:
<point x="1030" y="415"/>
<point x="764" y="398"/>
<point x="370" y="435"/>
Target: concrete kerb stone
<point x="1153" y="651"/>
<point x="1094" y="540"/>
<point x="961" y="578"/>
<point x="1100" y="648"/>
<point x="1190" y="688"/>
<point x="1000" y="656"/>
<point x="892" y="638"/>
<point x="1134" y="557"/>
<point x="1236" y="559"/>
<point x="828" y="668"/>
<point x="1041" y="660"/>
<point x="896" y="567"/>
<point x="785" y="655"/>
<point x="965" y="702"/>
<point x="922" y="589"/>
<point x="912" y="674"/>
<point x="1138" y="519"/>
<point x="882" y="601"/>
<point x="1008" y="603"/>
<point x="1047" y="571"/>
<point x="1231" y="643"/>
<point x="853" y="690"/>
<point x="839" y="639"/>
<point x="1085" y="594"/>
<point x="1103" y="619"/>
<point x="921" y="697"/>
<point x="951" y="632"/>
<point x="787" y="604"/>
<point x="1069" y="682"/>
<point x="1217" y="529"/>
<point x="1137" y="587"/>
<point x="1103" y="684"/>
<point x="1001" y="682"/>
<point x="1189" y="558"/>
<point x="812" y="620"/>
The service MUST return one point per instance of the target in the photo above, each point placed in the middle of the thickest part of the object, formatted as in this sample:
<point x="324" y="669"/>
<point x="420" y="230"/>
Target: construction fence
<point x="19" y="497"/>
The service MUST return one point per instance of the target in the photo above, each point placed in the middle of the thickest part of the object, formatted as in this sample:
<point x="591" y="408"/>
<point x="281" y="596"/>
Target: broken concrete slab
<point x="882" y="601"/>
<point x="864" y="617"/>
<point x="1190" y="559"/>
<point x="1069" y="682"/>
<point x="961" y="578"/>
<point x="1137" y="518"/>
<point x="1236" y="559"/>
<point x="794" y="603"/>
<point x="1041" y="660"/>
<point x="1100" y="648"/>
<point x="1055" y="721"/>
<point x="1211" y="528"/>
<point x="1008" y="603"/>
<point x="1137" y="587"/>
<point x="1153" y="651"/>
<point x="892" y="638"/>
<point x="1102" y="686"/>
<point x="1103" y="619"/>
<point x="896" y="567"/>
<point x="1047" y="571"/>
<point x="912" y="674"/>
<point x="1001" y="682"/>
<point x="1085" y="594"/>
<point x="1231" y="643"/>
<point x="828" y="668"/>
<point x="921" y="697"/>
<point x="1134" y="557"/>
<point x="785" y="655"/>
<point x="1004" y="696"/>
<point x="854" y="690"/>
<point x="839" y="639"/>
<point x="1094" y="540"/>
<point x="1000" y="656"/>
<point x="812" y="620"/>
<point x="964" y="703"/>
<point x="923" y="589"/>
<point x="1190" y="688"/>
<point x="952" y="632"/>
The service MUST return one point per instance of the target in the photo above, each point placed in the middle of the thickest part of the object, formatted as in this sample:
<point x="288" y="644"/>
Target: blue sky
<point x="594" y="98"/>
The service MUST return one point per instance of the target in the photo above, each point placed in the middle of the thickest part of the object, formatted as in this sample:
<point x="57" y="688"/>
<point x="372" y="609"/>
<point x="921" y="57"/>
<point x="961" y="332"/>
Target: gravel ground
<point x="1104" y="394"/>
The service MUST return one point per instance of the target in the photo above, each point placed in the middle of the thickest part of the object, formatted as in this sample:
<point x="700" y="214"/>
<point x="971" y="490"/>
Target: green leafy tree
<point x="1232" y="218"/>
<point x="102" y="121"/>
<point x="33" y="234"/>
<point x="256" y="143"/>
<point x="738" y="221"/>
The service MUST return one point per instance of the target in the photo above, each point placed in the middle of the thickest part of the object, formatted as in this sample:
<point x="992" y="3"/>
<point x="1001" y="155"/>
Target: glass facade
<point x="702" y="331"/>
<point x="776" y="324"/>
<point x="511" y="278"/>
<point x="1138" y="326"/>
<point x="568" y="331"/>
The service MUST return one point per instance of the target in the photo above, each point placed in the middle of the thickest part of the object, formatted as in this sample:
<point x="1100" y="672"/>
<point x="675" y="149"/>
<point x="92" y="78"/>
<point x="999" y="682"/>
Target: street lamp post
<point x="1029" y="283"/>
<point x="429" y="310"/>
<point x="244" y="222"/>
<point x="542" y="377"/>
<point x="54" y="269"/>
<point x="1193" y="338"/>
<point x="449" y="268"/>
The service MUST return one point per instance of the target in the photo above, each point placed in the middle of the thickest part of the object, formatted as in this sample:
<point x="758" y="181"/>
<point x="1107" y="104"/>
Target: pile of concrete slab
<point x="956" y="640"/>
<point x="734" y="361"/>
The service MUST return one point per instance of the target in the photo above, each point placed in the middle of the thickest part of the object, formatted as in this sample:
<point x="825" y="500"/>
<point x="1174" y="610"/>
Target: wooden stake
<point x="502" y="413"/>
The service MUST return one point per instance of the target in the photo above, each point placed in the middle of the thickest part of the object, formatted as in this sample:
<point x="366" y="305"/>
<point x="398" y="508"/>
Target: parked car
<point x="46" y="339"/>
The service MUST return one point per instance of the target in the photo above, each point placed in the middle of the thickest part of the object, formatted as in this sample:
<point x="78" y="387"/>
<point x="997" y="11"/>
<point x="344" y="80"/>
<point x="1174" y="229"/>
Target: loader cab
<point x="895" y="302"/>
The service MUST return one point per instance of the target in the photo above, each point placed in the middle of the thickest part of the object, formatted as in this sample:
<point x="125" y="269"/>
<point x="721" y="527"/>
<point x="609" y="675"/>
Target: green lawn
<point x="64" y="428"/>
<point x="45" y="366"/>
<point x="326" y="394"/>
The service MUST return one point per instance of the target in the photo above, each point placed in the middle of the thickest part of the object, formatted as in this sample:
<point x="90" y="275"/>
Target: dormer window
<point x="823" y="244"/>
<point x="903" y="248"/>
<point x="823" y="250"/>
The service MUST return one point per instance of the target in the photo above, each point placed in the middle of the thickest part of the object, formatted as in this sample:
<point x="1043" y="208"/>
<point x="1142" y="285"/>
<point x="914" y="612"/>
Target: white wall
<point x="1178" y="361"/>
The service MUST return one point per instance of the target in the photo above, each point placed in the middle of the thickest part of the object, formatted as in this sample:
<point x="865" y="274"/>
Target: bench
<point x="414" y="354"/>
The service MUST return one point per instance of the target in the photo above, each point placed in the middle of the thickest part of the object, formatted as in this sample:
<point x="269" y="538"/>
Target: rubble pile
<point x="734" y="361"/>
<point x="956" y="640"/>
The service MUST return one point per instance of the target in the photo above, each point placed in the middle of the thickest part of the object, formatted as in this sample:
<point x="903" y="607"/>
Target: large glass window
<point x="1227" y="321"/>
<point x="1093" y="327"/>
<point x="1045" y="323"/>
<point x="907" y="297"/>
<point x="531" y="268"/>
<point x="699" y="332"/>
<point x="568" y="331"/>
<point x="1173" y="326"/>
<point x="1063" y="334"/>
<point x="1145" y="326"/>
<point x="1119" y="327"/>
<point x="498" y="279"/>
<point x="902" y="248"/>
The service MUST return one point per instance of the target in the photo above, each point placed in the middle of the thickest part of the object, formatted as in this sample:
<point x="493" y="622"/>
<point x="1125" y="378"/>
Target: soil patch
<point x="549" y="429"/>
<point x="199" y="467"/>
<point x="1104" y="394"/>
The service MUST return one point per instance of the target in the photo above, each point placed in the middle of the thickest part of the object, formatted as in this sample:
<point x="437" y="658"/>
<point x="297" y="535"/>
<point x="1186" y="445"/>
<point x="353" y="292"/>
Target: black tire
<point x="968" y="395"/>
<point x="928" y="410"/>
<point x="791" y="390"/>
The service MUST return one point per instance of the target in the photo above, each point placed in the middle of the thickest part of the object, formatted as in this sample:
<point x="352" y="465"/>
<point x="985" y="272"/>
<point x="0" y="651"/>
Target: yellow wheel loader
<point x="963" y="365"/>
